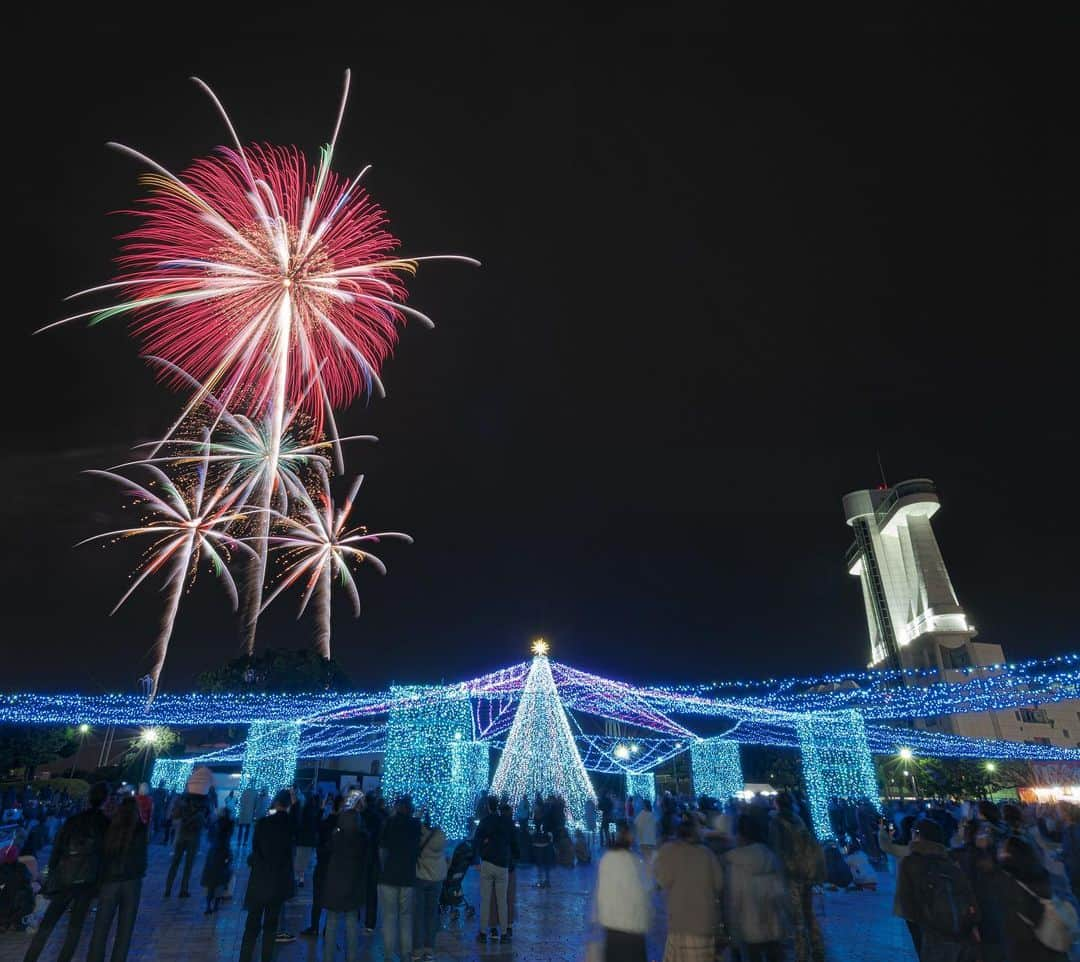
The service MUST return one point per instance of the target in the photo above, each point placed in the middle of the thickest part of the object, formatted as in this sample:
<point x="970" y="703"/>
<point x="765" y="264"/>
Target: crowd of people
<point x="975" y="882"/>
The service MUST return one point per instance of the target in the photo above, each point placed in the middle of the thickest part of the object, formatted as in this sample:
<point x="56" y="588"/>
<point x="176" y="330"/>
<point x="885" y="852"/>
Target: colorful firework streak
<point x="186" y="520"/>
<point x="272" y="290"/>
<point x="316" y="545"/>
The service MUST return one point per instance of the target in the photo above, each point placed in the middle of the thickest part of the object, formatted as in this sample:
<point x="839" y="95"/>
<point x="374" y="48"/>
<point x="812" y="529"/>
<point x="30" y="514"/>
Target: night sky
<point x="724" y="268"/>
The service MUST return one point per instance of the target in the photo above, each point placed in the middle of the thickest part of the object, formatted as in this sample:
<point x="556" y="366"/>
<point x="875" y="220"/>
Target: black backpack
<point x="946" y="899"/>
<point x="80" y="859"/>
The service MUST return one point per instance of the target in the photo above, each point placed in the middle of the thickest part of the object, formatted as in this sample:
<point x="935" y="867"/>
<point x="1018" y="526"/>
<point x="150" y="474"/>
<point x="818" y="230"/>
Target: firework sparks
<point x="246" y="447"/>
<point x="187" y="519"/>
<point x="316" y="545"/>
<point x="271" y="282"/>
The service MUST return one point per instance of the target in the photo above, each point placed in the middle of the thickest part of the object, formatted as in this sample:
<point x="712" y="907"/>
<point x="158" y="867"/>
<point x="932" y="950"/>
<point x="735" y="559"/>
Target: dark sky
<point x="723" y="267"/>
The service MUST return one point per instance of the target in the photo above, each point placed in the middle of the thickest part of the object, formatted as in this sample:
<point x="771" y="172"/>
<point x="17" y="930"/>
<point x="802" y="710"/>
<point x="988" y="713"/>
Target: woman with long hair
<point x="122" y="873"/>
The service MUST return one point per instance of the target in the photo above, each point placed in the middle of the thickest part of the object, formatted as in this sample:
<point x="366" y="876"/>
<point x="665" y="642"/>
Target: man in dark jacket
<point x="74" y="871"/>
<point x="399" y="846"/>
<point x="373" y="818"/>
<point x="935" y="896"/>
<point x="344" y="884"/>
<point x="271" y="882"/>
<point x="191" y="815"/>
<point x="495" y="842"/>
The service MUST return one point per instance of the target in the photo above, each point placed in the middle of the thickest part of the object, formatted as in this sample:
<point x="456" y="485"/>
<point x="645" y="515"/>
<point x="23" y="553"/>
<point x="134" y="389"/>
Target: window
<point x="1065" y="732"/>
<point x="1034" y="716"/>
<point x="958" y="657"/>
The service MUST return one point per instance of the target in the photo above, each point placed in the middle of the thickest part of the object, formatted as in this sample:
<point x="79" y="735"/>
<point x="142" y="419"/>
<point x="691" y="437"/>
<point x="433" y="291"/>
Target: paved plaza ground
<point x="550" y="927"/>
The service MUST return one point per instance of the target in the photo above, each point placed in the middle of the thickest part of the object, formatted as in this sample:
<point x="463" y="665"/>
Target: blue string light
<point x="836" y="763"/>
<point x="540" y="753"/>
<point x="641" y="785"/>
<point x="174" y="772"/>
<point x="426" y="737"/>
<point x="270" y="754"/>
<point x="716" y="767"/>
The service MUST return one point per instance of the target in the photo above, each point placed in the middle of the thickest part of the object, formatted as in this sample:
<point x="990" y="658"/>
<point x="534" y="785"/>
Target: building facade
<point x="915" y="619"/>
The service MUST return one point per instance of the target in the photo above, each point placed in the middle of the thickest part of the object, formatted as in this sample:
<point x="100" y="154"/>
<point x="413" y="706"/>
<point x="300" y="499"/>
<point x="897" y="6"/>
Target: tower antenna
<point x="881" y="468"/>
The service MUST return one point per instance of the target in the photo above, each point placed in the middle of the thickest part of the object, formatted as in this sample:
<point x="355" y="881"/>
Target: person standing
<point x="607" y="817"/>
<point x="270" y="884"/>
<point x="645" y="830"/>
<point x="344" y="884"/>
<point x="803" y="862"/>
<point x="755" y="897"/>
<point x="74" y="870"/>
<point x="307" y="835"/>
<point x="493" y="843"/>
<point x="245" y="815"/>
<point x="122" y="873"/>
<point x="373" y="821"/>
<point x="623" y="907"/>
<point x="191" y="815"/>
<point x="689" y="875"/>
<point x="399" y="845"/>
<point x="218" y="865"/>
<point x="933" y="892"/>
<point x="322" y="861"/>
<point x="430" y="873"/>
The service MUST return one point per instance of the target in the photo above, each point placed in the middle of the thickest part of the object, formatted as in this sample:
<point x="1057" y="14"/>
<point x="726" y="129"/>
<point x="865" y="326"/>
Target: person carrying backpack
<point x="74" y="870"/>
<point x="936" y="897"/>
<point x="191" y="815"/>
<point x="803" y="861"/>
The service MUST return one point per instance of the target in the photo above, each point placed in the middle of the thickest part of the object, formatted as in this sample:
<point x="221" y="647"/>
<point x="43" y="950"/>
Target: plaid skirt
<point x="682" y="947"/>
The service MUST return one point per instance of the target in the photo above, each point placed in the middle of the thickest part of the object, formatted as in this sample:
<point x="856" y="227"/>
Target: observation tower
<point x="916" y="622"/>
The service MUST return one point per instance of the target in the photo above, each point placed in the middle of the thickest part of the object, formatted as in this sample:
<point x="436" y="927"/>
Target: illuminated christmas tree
<point x="540" y="754"/>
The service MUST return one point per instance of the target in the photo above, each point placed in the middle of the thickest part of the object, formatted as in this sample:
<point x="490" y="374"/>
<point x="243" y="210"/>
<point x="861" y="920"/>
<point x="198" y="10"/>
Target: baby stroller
<point x="452" y="897"/>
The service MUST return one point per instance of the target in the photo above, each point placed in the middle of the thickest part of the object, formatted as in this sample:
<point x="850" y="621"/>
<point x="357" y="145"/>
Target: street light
<point x="622" y="752"/>
<point x="907" y="755"/>
<point x="991" y="767"/>
<point x="84" y="729"/>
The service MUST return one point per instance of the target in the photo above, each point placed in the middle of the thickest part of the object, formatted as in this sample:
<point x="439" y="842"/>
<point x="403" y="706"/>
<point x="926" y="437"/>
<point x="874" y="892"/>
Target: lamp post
<point x="84" y="730"/>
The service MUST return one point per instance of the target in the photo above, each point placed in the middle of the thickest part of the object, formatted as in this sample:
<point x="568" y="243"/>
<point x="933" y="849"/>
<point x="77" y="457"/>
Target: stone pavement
<point x="551" y="925"/>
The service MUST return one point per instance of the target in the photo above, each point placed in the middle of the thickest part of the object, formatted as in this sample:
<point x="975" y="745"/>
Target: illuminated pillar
<point x="836" y="763"/>
<point x="716" y="768"/>
<point x="641" y="785"/>
<point x="270" y="754"/>
<point x="430" y="755"/>
<point x="174" y="772"/>
<point x="470" y="773"/>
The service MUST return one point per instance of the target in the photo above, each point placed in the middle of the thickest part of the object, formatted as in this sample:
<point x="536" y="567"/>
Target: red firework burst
<point x="270" y="281"/>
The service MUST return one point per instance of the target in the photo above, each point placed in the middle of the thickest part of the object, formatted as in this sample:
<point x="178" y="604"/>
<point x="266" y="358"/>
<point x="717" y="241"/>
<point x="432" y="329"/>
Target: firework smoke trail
<point x="273" y="284"/>
<point x="185" y="524"/>
<point x="318" y="545"/>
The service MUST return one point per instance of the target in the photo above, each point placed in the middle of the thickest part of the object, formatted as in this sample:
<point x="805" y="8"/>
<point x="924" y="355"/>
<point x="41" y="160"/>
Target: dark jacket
<point x="920" y="872"/>
<point x="193" y="813"/>
<point x="1019" y="905"/>
<point x="271" y="861"/>
<point x="131" y="862"/>
<point x="218" y="865"/>
<point x="84" y="831"/>
<point x="345" y="884"/>
<point x="495" y="840"/>
<point x="308" y="833"/>
<point x="399" y="844"/>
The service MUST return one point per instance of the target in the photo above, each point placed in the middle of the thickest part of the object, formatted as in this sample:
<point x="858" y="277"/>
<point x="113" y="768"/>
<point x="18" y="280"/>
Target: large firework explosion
<point x="270" y="289"/>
